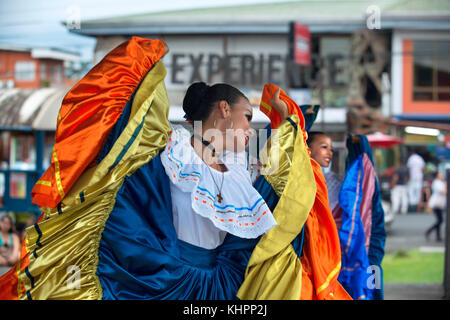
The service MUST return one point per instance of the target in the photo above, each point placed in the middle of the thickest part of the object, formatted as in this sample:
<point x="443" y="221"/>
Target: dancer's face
<point x="241" y="117"/>
<point x="234" y="122"/>
<point x="321" y="150"/>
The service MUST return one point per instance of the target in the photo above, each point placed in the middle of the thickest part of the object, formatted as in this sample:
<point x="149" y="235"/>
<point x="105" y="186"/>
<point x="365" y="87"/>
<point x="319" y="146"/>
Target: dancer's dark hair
<point x="200" y="98"/>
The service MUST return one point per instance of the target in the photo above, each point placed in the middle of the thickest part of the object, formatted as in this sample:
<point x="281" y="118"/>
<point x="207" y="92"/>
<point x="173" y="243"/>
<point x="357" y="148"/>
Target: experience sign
<point x="249" y="70"/>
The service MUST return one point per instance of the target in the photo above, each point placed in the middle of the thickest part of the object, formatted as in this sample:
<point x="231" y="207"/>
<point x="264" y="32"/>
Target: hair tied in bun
<point x="193" y="102"/>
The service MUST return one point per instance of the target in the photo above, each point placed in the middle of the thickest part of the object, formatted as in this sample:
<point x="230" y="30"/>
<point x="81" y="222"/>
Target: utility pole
<point x="447" y="244"/>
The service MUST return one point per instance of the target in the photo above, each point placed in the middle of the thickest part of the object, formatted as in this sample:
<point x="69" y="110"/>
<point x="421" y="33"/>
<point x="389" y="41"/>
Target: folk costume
<point x="128" y="212"/>
<point x="359" y="218"/>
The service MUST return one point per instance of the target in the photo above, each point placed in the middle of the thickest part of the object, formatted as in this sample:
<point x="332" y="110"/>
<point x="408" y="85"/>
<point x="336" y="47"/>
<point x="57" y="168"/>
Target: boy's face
<point x="321" y="150"/>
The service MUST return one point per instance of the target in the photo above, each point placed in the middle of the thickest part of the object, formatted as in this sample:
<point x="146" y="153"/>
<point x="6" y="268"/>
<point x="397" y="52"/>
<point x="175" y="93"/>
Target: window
<point x="18" y="185"/>
<point x="43" y="71"/>
<point x="56" y="74"/>
<point x="22" y="154"/>
<point x="335" y="73"/>
<point x="25" y="70"/>
<point x="431" y="71"/>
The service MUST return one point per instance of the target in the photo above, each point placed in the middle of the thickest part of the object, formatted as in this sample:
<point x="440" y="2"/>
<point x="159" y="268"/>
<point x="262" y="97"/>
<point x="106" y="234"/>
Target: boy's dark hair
<point x="312" y="135"/>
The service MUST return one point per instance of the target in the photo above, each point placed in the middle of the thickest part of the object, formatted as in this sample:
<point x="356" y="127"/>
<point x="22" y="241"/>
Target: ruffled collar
<point x="242" y="211"/>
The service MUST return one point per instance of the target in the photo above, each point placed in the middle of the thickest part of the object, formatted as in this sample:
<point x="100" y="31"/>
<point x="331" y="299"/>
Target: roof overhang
<point x="39" y="53"/>
<point x="329" y="25"/>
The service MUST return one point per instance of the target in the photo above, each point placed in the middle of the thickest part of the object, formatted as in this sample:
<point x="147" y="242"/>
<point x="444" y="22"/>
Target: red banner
<point x="301" y="44"/>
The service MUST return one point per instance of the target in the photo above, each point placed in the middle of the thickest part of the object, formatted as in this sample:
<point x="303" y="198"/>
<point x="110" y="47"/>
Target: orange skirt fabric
<point x="88" y="113"/>
<point x="321" y="259"/>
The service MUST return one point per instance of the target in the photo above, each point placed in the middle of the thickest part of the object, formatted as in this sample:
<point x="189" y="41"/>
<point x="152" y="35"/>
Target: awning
<point x="441" y="122"/>
<point x="382" y="140"/>
<point x="30" y="109"/>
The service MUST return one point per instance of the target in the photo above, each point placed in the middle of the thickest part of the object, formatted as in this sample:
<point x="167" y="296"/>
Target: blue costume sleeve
<point x="355" y="262"/>
<point x="378" y="231"/>
<point x="310" y="117"/>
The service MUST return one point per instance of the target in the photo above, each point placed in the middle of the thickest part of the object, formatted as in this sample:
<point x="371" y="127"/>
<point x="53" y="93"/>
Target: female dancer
<point x="144" y="210"/>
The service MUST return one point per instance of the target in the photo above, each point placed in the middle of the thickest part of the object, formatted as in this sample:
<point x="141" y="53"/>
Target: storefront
<point x="421" y="91"/>
<point x="360" y="57"/>
<point x="26" y="139"/>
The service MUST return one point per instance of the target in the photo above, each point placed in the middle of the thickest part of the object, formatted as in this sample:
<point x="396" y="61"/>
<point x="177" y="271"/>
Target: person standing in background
<point x="399" y="189"/>
<point x="437" y="203"/>
<point x="415" y="165"/>
<point x="426" y="192"/>
<point x="9" y="241"/>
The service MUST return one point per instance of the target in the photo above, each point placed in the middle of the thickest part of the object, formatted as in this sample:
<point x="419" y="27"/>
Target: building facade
<point x="33" y="84"/>
<point x="374" y="67"/>
<point x="28" y="68"/>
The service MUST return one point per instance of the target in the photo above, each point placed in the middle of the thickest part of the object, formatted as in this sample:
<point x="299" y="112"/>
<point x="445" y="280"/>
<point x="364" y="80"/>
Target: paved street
<point x="408" y="232"/>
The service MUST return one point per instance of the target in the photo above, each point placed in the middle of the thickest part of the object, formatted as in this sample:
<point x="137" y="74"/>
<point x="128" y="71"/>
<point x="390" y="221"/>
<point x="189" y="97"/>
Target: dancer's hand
<point x="280" y="105"/>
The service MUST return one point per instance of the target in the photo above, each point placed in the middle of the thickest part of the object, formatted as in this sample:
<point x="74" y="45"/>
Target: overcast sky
<point x="33" y="23"/>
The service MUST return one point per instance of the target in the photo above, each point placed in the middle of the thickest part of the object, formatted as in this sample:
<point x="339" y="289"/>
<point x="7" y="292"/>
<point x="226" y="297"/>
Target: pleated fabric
<point x="320" y="259"/>
<point x="354" y="274"/>
<point x="60" y="254"/>
<point x="89" y="111"/>
<point x="372" y="213"/>
<point x="109" y="234"/>
<point x="274" y="270"/>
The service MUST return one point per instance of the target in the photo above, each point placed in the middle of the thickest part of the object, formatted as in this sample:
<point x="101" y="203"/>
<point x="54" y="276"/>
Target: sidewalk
<point x="413" y="291"/>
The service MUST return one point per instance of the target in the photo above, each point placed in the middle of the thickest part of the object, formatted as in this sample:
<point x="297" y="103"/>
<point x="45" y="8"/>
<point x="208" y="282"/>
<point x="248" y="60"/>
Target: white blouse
<point x="199" y="218"/>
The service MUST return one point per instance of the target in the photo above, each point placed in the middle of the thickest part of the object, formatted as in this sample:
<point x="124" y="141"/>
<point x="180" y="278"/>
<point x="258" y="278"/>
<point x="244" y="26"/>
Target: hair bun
<point x="192" y="102"/>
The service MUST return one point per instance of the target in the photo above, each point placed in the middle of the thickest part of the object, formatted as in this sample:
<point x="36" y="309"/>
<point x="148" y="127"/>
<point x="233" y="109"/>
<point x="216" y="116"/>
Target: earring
<point x="214" y="124"/>
<point x="231" y="127"/>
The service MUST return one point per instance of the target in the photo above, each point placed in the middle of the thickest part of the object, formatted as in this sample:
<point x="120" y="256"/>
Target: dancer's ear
<point x="224" y="109"/>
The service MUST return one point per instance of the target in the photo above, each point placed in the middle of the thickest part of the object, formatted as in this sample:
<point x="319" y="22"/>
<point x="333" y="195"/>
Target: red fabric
<point x="272" y="113"/>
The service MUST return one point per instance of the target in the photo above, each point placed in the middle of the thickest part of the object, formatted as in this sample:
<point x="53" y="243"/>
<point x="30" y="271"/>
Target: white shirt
<point x="415" y="165"/>
<point x="438" y="198"/>
<point x="191" y="227"/>
<point x="199" y="218"/>
<point x="334" y="185"/>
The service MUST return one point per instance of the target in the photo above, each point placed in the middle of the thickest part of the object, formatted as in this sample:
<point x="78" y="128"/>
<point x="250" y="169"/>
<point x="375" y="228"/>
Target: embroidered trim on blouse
<point x="242" y="212"/>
